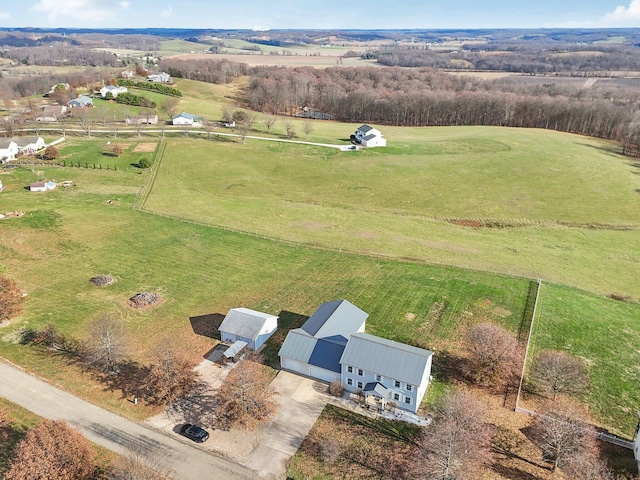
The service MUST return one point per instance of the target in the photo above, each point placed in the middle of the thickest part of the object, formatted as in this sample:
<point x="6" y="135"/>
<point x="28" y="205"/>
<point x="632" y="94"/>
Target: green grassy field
<point x="67" y="236"/>
<point x="563" y="208"/>
<point x="604" y="333"/>
<point x="558" y="206"/>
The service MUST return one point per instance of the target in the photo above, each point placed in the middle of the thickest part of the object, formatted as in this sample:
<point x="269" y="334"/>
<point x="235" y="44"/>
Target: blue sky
<point x="320" y="13"/>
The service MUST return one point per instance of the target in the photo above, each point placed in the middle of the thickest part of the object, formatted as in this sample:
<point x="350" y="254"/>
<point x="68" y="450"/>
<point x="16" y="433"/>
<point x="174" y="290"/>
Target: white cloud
<point x="125" y="5"/>
<point x="624" y="16"/>
<point x="73" y="9"/>
<point x="166" y="13"/>
<point x="5" y="15"/>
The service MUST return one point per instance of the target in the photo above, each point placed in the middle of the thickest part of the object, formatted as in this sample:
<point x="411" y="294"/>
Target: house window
<point x="360" y="372"/>
<point x="407" y="400"/>
<point x="409" y="387"/>
<point x="349" y="381"/>
<point x="350" y="369"/>
<point x="360" y="385"/>
<point x="397" y="384"/>
<point x="396" y="396"/>
<point x="378" y="378"/>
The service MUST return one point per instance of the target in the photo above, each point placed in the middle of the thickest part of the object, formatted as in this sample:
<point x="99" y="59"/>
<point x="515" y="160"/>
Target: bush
<point x="336" y="388"/>
<point x="50" y="153"/>
<point x="144" y="162"/>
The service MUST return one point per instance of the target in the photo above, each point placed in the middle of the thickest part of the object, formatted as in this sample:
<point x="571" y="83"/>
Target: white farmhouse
<point x="368" y="136"/>
<point x="332" y="346"/>
<point x="187" y="119"/>
<point x="113" y="90"/>
<point x="8" y="149"/>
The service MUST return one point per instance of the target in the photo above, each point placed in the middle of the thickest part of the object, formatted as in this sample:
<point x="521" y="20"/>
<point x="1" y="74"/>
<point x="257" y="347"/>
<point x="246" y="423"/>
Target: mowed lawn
<point x="562" y="207"/>
<point x="604" y="333"/>
<point x="69" y="235"/>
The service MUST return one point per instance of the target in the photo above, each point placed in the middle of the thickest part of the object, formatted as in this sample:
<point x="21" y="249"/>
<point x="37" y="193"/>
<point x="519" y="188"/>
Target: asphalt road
<point x="116" y="433"/>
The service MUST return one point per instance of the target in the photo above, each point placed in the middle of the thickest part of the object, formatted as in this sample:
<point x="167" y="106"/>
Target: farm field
<point x="599" y="331"/>
<point x="521" y="202"/>
<point x="69" y="235"/>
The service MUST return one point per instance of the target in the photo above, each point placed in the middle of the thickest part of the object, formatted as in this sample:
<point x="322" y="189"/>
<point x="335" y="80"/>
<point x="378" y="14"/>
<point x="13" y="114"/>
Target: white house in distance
<point x="113" y="90"/>
<point x="187" y="119"/>
<point x="161" y="77"/>
<point x="81" y="101"/>
<point x="29" y="145"/>
<point x="249" y="326"/>
<point x="51" y="113"/>
<point x="8" y="149"/>
<point x="332" y="345"/>
<point x="368" y="136"/>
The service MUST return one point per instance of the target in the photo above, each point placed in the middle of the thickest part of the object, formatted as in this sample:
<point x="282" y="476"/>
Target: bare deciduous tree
<point x="563" y="434"/>
<point x="288" y="128"/>
<point x="458" y="443"/>
<point x="171" y="377"/>
<point x="492" y="352"/>
<point x="11" y="298"/>
<point x="106" y="346"/>
<point x="85" y="118"/>
<point x="269" y="121"/>
<point x="307" y="128"/>
<point x="169" y="107"/>
<point x="244" y="401"/>
<point x="52" y="450"/>
<point x="560" y="373"/>
<point x="244" y="125"/>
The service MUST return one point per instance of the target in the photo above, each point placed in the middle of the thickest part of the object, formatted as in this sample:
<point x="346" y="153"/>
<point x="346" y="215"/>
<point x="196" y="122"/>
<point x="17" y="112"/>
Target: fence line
<point x="526" y="350"/>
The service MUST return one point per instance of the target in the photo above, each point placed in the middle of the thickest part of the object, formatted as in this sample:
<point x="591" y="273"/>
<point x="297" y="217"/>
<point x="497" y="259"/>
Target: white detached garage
<point x="246" y="325"/>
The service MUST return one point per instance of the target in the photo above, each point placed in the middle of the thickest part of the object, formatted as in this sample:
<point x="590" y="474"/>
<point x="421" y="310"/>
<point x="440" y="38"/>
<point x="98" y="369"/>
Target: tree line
<point x="531" y="59"/>
<point x="150" y="86"/>
<point x="423" y="97"/>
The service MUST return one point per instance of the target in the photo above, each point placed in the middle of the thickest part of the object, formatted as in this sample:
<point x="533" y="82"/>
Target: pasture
<point x="68" y="236"/>
<point x="387" y="229"/>
<point x="520" y="202"/>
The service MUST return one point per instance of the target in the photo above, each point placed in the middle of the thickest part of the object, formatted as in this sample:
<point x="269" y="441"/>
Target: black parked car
<point x="195" y="433"/>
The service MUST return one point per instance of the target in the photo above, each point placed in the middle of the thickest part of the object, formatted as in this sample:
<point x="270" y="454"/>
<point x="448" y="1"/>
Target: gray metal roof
<point x="234" y="349"/>
<point x="5" y="142"/>
<point x="320" y="352"/>
<point x="386" y="357"/>
<point x="298" y="345"/>
<point x="244" y="322"/>
<point x="365" y="128"/>
<point x="369" y="137"/>
<point x="24" y="141"/>
<point x="342" y="313"/>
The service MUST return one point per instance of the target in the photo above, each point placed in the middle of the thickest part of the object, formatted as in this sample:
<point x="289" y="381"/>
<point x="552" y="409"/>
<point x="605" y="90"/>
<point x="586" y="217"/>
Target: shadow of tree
<point x="130" y="379"/>
<point x="512" y="472"/>
<point x="450" y="368"/>
<point x="198" y="407"/>
<point x="207" y="325"/>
